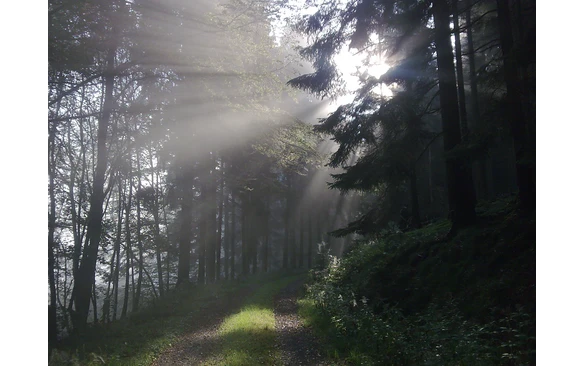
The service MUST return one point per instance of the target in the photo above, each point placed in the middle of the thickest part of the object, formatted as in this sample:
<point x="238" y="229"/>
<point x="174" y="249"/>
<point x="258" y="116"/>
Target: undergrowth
<point x="407" y="299"/>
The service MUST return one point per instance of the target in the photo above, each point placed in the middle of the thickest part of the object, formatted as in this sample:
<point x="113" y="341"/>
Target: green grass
<point x="142" y="336"/>
<point x="249" y="336"/>
<point x="332" y="344"/>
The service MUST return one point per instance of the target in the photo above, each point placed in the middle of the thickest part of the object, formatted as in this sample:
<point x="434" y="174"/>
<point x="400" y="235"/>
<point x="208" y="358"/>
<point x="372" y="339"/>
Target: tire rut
<point x="297" y="343"/>
<point x="202" y="342"/>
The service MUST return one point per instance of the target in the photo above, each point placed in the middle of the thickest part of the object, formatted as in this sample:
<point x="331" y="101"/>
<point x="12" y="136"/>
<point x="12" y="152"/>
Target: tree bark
<point x="52" y="223"/>
<point x="117" y="246"/>
<point x="459" y="181"/>
<point x="155" y="212"/>
<point x="187" y="177"/>
<point x="484" y="186"/>
<point x="245" y="233"/>
<point x="219" y="224"/>
<point x="84" y="282"/>
<point x="138" y="290"/>
<point x="266" y="234"/>
<point x="301" y="238"/>
<point x="233" y="240"/>
<point x="523" y="149"/>
<point x="287" y="215"/>
<point x="460" y="79"/>
<point x="210" y="206"/>
<point x="414" y="198"/>
<point x="129" y="254"/>
<point x="310" y="242"/>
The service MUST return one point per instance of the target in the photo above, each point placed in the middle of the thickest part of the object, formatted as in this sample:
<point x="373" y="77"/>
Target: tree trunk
<point x="157" y="237"/>
<point x="137" y="293"/>
<point x="255" y="201"/>
<point x="227" y="237"/>
<point x="245" y="233"/>
<point x="128" y="250"/>
<point x="461" y="90"/>
<point x="287" y="215"/>
<point x="210" y="211"/>
<point x="233" y="240"/>
<point x="459" y="181"/>
<point x="85" y="280"/>
<point x="187" y="177"/>
<point x="310" y="242"/>
<point x="94" y="304"/>
<point x="484" y="187"/>
<point x="460" y="80"/>
<point x="525" y="167"/>
<point x="414" y="199"/>
<point x="52" y="223"/>
<point x="266" y="234"/>
<point x="301" y="238"/>
<point x="219" y="225"/>
<point x="117" y="246"/>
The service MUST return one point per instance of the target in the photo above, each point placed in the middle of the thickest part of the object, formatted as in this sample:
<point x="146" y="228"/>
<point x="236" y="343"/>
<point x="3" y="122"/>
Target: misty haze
<point x="288" y="182"/>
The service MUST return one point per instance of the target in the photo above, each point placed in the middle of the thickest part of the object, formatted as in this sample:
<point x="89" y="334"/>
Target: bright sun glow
<point x="351" y="64"/>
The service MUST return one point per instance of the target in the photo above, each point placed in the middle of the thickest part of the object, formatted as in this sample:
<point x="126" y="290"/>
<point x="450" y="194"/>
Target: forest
<point x="362" y="170"/>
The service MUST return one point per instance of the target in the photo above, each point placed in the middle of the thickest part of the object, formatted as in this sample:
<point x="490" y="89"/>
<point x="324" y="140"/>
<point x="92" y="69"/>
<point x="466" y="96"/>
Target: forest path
<point x="204" y="344"/>
<point x="297" y="344"/>
<point x="203" y="341"/>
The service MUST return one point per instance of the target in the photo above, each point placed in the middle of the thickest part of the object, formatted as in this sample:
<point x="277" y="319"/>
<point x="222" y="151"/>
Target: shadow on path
<point x="297" y="343"/>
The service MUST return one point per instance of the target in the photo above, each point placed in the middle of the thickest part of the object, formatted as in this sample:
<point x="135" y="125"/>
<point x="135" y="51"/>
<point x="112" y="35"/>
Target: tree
<point x="369" y="124"/>
<point x="523" y="146"/>
<point x="460" y="184"/>
<point x="84" y="282"/>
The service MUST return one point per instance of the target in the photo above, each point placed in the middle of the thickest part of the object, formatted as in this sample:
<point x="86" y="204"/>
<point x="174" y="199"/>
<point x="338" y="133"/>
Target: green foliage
<point x="407" y="299"/>
<point x="379" y="137"/>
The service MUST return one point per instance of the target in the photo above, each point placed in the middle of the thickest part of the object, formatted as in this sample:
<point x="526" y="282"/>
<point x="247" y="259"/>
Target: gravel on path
<point x="202" y="342"/>
<point x="297" y="343"/>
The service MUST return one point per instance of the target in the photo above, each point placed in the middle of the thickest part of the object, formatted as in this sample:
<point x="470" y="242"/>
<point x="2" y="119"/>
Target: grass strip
<point x="249" y="336"/>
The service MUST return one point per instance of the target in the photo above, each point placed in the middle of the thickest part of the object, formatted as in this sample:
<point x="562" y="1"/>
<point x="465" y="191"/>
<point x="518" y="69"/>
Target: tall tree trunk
<point x="219" y="223"/>
<point x="114" y="266"/>
<point x="85" y="280"/>
<point x="459" y="181"/>
<point x="227" y="237"/>
<point x="460" y="79"/>
<point x="255" y="201"/>
<point x="484" y="187"/>
<point x="233" y="239"/>
<point x="155" y="212"/>
<point x="202" y="234"/>
<point x="310" y="241"/>
<point x="117" y="245"/>
<point x="94" y="304"/>
<point x="287" y="215"/>
<point x="78" y="229"/>
<point x="301" y="237"/>
<point x="525" y="167"/>
<point x="210" y="206"/>
<point x="129" y="254"/>
<point x="461" y="89"/>
<point x="414" y="198"/>
<point x="266" y="234"/>
<point x="185" y="233"/>
<point x="168" y="247"/>
<point x="245" y="233"/>
<point x="52" y="223"/>
<point x="137" y="293"/>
